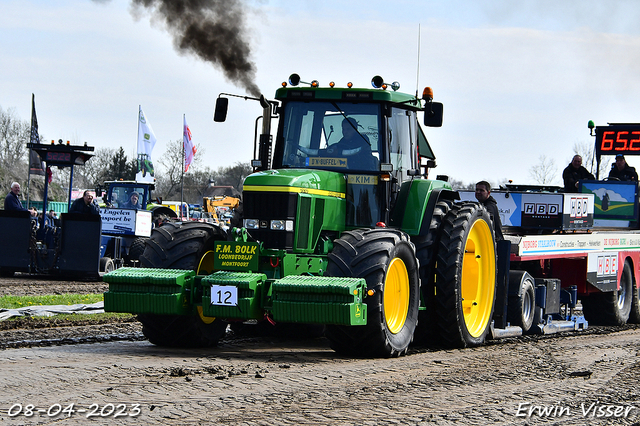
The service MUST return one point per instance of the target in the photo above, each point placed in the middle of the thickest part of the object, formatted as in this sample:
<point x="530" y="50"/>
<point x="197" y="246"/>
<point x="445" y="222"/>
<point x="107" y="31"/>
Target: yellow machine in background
<point x="220" y="208"/>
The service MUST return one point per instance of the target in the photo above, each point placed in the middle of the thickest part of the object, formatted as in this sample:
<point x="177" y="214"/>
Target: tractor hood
<point x="305" y="181"/>
<point x="289" y="209"/>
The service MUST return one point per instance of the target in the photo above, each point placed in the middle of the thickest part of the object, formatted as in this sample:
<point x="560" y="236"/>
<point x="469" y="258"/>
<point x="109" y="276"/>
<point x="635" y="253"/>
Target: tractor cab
<point x="371" y="136"/>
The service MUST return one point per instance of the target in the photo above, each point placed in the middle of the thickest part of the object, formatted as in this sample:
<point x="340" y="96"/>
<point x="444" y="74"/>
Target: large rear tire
<point x="613" y="307"/>
<point x="465" y="276"/>
<point x="137" y="249"/>
<point x="426" y="247"/>
<point x="182" y="245"/>
<point x="386" y="260"/>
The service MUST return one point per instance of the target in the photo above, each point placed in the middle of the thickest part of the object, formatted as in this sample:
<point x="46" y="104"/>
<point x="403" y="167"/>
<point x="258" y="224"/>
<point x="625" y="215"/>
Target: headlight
<point x="277" y="225"/>
<point x="281" y="225"/>
<point x="251" y="223"/>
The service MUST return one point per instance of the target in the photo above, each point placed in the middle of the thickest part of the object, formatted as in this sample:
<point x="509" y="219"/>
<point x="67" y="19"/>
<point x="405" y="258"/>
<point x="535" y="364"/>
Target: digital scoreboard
<point x="62" y="155"/>
<point x="618" y="139"/>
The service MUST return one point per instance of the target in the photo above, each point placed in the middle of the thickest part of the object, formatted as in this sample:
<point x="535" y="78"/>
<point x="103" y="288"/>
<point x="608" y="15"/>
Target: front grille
<point x="266" y="206"/>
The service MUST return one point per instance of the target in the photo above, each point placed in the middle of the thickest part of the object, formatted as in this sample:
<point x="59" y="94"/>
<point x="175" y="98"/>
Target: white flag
<point x="189" y="147"/>
<point x="146" y="142"/>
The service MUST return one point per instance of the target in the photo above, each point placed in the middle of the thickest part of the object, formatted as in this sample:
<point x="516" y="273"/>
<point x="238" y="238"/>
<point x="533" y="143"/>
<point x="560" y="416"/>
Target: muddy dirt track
<point x="590" y="378"/>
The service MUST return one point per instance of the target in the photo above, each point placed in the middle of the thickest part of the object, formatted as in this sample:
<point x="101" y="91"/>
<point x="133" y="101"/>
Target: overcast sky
<point x="518" y="79"/>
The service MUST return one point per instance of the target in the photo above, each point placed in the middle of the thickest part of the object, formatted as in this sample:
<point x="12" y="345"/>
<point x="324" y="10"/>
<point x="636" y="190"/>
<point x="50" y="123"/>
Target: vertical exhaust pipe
<point x="264" y="151"/>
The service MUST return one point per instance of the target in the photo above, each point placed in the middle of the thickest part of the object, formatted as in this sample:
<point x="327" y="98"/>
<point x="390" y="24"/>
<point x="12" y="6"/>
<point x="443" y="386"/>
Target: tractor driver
<point x="133" y="202"/>
<point x="355" y="146"/>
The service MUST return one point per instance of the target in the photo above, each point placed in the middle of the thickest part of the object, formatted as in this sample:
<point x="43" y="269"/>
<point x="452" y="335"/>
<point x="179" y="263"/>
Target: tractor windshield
<point x="338" y="136"/>
<point x="127" y="196"/>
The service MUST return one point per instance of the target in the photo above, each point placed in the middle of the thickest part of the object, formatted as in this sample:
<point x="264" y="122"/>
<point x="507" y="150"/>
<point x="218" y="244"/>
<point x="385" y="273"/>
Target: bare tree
<point x="545" y="172"/>
<point x="587" y="151"/>
<point x="95" y="170"/>
<point x="14" y="135"/>
<point x="459" y="185"/>
<point x="168" y="180"/>
<point x="233" y="175"/>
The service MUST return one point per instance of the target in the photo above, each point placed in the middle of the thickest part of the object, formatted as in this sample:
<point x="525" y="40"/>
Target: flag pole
<point x="182" y="167"/>
<point x="33" y="100"/>
<point x="138" y="143"/>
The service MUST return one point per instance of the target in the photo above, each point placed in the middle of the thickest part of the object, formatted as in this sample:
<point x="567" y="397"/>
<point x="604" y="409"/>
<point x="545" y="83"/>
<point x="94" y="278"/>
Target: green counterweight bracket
<point x="240" y="234"/>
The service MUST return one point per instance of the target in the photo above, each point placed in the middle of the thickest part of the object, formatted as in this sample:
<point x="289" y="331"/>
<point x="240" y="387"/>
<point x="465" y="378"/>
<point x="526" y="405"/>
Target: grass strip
<point x="65" y="320"/>
<point x="16" y="302"/>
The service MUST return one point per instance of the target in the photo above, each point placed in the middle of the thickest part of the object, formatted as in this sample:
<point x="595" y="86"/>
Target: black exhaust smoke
<point x="213" y="30"/>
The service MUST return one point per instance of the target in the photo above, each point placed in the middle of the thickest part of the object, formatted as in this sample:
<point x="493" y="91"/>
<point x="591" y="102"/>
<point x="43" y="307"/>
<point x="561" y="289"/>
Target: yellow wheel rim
<point x="203" y="318"/>
<point x="205" y="267"/>
<point x="396" y="295"/>
<point x="478" y="278"/>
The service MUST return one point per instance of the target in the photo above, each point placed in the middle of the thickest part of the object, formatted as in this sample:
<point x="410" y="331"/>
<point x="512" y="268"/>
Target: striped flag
<point x="189" y="147"/>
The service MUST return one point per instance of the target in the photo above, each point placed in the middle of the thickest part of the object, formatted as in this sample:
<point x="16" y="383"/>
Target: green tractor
<point x="341" y="227"/>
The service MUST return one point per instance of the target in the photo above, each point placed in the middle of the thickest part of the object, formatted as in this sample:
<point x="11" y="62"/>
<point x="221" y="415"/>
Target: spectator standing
<point x="483" y="195"/>
<point x="573" y="173"/>
<point x="85" y="205"/>
<point x="11" y="201"/>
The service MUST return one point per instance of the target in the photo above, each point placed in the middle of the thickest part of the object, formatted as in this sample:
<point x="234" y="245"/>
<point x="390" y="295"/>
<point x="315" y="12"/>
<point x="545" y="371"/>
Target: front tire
<point x="386" y="260"/>
<point x="465" y="276"/>
<point x="189" y="246"/>
<point x="106" y="265"/>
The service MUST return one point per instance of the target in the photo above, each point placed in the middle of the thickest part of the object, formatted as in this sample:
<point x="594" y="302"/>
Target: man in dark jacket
<point x="12" y="202"/>
<point x="483" y="195"/>
<point x="573" y="173"/>
<point x="85" y="205"/>
<point x="622" y="171"/>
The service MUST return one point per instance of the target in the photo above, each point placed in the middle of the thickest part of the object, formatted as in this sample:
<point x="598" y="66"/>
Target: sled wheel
<point x="182" y="245"/>
<point x="634" y="316"/>
<point x="426" y="247"/>
<point x="613" y="307"/>
<point x="106" y="265"/>
<point x="386" y="260"/>
<point x="465" y="276"/>
<point x="522" y="302"/>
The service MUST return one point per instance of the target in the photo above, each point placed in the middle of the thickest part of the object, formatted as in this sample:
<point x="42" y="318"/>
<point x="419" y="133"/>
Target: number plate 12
<point x="224" y="295"/>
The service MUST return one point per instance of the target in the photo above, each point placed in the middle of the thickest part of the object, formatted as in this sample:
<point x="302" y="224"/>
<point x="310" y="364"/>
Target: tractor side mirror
<point x="99" y="192"/>
<point x="433" y="113"/>
<point x="220" y="113"/>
